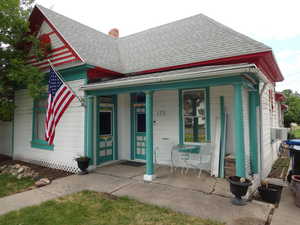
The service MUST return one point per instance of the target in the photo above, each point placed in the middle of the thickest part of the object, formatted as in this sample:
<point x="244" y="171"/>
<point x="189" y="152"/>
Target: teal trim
<point x="90" y="128"/>
<point x="194" y="150"/>
<point x="74" y="73"/>
<point x="149" y="133"/>
<point x="253" y="131"/>
<point x="132" y="118"/>
<point x="223" y="136"/>
<point x="35" y="142"/>
<point x="41" y="144"/>
<point x="239" y="131"/>
<point x="115" y="127"/>
<point x="207" y="118"/>
<point x="180" y="117"/>
<point x="171" y="85"/>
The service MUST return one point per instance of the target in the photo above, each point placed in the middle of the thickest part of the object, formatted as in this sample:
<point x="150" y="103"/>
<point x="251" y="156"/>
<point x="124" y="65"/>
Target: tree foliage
<point x="14" y="72"/>
<point x="293" y="102"/>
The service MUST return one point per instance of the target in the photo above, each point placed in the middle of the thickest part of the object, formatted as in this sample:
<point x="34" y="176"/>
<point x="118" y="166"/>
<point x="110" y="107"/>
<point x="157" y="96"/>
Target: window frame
<point x="35" y="142"/>
<point x="182" y="116"/>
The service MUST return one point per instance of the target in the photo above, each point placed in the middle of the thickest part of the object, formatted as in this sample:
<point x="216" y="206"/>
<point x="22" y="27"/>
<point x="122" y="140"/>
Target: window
<point x="105" y="121"/>
<point x="38" y="130"/>
<point x="141" y="122"/>
<point x="194" y="116"/>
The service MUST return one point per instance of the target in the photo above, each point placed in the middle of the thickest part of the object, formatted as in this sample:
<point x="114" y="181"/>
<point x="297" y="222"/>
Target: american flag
<point x="59" y="98"/>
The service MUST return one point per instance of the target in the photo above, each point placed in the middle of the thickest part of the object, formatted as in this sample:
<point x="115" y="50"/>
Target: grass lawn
<point x="10" y="184"/>
<point x="92" y="208"/>
<point x="296" y="132"/>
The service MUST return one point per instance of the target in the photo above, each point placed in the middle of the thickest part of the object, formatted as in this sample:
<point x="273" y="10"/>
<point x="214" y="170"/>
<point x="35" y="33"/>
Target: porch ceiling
<point x="206" y="72"/>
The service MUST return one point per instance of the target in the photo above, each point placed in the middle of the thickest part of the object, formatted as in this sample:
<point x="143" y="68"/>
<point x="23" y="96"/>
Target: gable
<point x="60" y="52"/>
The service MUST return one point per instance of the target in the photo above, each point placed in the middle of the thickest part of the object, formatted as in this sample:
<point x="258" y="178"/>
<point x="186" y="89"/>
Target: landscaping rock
<point x="17" y="166"/>
<point x="19" y="171"/>
<point x="42" y="182"/>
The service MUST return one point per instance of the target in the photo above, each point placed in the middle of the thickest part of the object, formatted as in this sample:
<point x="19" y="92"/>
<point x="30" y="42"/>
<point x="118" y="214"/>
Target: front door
<point x="105" y="140"/>
<point x="140" y="131"/>
<point x="139" y="126"/>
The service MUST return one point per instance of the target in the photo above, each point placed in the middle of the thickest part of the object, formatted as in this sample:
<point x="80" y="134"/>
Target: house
<point x="192" y="81"/>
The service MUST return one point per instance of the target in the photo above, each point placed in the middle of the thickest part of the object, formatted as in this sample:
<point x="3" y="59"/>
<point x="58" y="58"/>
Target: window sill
<point x="41" y="144"/>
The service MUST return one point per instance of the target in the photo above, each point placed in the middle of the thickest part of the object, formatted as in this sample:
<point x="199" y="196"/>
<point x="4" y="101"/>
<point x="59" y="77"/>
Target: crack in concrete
<point x="121" y="187"/>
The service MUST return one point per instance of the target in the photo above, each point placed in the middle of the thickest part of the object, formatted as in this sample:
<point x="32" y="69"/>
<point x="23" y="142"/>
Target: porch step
<point x="229" y="167"/>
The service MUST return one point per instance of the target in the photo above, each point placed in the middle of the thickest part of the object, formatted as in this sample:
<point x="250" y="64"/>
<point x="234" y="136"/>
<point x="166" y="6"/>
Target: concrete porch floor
<point x="164" y="175"/>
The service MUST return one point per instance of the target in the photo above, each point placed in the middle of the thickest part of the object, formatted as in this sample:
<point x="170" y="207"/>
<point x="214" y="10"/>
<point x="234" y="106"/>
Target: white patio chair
<point x="201" y="161"/>
<point x="179" y="159"/>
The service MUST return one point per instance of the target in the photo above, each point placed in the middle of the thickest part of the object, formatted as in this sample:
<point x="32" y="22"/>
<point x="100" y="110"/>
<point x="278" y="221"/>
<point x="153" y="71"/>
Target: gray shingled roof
<point x="194" y="39"/>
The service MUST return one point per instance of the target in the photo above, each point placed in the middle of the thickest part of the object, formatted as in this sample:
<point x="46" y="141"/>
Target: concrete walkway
<point x="287" y="213"/>
<point x="181" y="199"/>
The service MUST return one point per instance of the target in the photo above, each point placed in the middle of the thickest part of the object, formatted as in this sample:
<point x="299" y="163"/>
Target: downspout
<point x="261" y="129"/>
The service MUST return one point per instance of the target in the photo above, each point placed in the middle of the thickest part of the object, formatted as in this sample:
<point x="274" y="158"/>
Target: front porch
<point x="205" y="183"/>
<point x="136" y="118"/>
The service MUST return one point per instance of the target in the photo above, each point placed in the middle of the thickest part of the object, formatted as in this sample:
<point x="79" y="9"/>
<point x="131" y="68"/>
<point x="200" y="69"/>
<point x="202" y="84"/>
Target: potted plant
<point x="239" y="187"/>
<point x="83" y="164"/>
<point x="270" y="192"/>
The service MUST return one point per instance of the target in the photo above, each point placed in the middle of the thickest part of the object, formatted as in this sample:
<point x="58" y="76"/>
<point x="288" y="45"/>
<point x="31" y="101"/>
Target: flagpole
<point x="62" y="80"/>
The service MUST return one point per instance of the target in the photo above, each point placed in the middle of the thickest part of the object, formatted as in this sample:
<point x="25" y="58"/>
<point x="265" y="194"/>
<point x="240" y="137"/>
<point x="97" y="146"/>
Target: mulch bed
<point x="280" y="167"/>
<point x="46" y="172"/>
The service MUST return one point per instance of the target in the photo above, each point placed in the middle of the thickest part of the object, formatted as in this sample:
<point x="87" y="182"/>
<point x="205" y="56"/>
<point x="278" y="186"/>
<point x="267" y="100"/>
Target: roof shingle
<point x="194" y="39"/>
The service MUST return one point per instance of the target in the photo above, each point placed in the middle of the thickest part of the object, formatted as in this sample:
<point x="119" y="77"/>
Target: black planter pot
<point x="238" y="189"/>
<point x="83" y="164"/>
<point x="270" y="193"/>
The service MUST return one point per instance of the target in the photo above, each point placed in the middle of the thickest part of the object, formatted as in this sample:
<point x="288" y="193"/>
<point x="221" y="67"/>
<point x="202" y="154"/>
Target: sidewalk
<point x="179" y="199"/>
<point x="287" y="213"/>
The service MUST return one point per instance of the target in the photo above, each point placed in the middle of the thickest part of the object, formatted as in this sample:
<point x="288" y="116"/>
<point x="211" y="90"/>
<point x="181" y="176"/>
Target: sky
<point x="273" y="22"/>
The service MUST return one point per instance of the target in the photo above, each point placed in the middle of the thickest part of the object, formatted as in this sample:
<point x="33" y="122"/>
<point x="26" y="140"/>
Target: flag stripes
<point x="59" y="98"/>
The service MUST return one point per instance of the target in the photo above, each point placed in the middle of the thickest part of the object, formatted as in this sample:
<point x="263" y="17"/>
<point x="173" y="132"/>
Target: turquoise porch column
<point x="90" y="128"/>
<point x="253" y="103"/>
<point x="239" y="131"/>
<point x="149" y="176"/>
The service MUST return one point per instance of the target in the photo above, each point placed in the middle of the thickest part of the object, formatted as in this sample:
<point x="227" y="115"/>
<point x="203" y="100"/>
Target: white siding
<point x="269" y="120"/>
<point x="69" y="139"/>
<point x="124" y="134"/>
<point x="215" y="94"/>
<point x="6" y="138"/>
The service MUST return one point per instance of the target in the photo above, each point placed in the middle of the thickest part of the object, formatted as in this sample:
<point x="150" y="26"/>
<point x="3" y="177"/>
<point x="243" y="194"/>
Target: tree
<point x="14" y="39"/>
<point x="293" y="102"/>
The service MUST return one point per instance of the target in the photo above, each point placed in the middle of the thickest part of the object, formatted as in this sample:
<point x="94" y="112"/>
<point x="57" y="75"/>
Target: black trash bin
<point x="294" y="147"/>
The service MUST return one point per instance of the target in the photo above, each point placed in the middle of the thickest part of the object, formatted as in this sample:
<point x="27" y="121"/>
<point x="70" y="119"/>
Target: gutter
<point x="177" y="77"/>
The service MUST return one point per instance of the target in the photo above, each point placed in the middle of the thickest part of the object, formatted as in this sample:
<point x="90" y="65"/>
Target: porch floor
<point x="204" y="183"/>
